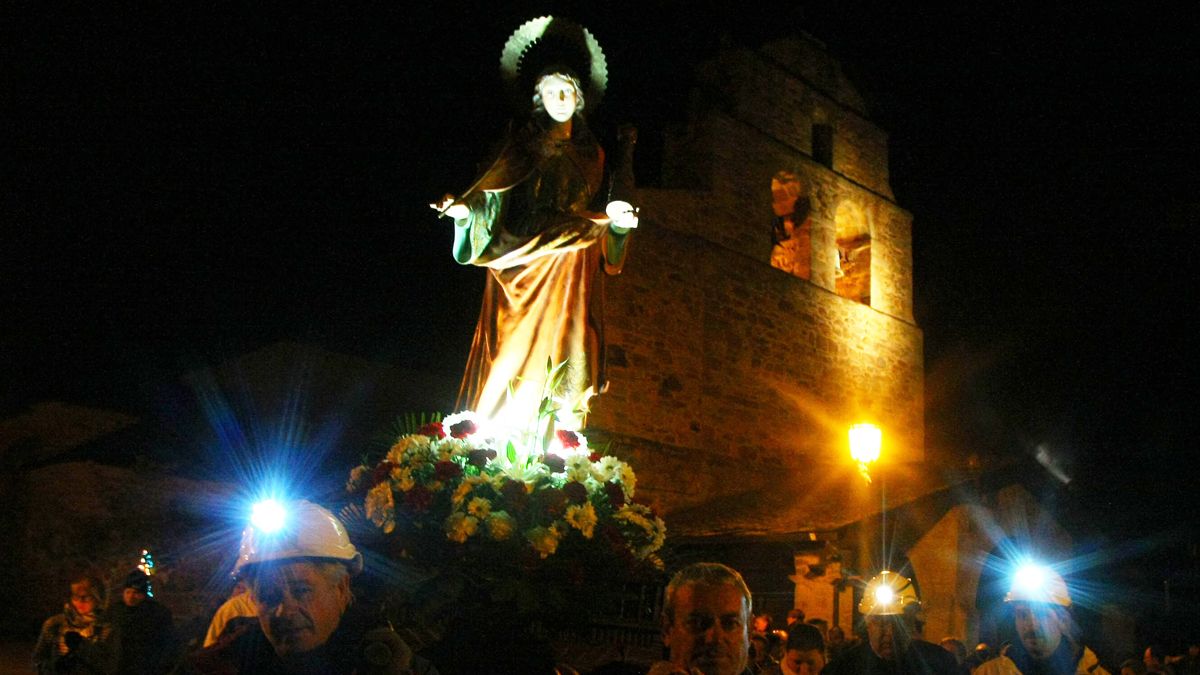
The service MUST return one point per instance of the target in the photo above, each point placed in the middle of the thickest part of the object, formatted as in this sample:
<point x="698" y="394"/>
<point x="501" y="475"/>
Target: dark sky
<point x="187" y="185"/>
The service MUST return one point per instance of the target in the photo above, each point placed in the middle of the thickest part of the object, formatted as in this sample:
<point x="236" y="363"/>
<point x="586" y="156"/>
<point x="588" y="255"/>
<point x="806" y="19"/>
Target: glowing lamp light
<point x="884" y="595"/>
<point x="268" y="516"/>
<point x="1031" y="578"/>
<point x="865" y="440"/>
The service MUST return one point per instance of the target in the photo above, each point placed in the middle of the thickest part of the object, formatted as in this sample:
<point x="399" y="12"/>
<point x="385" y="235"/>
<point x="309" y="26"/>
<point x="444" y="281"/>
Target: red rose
<point x="616" y="494"/>
<point x="447" y="470"/>
<point x="462" y="429"/>
<point x="576" y="492"/>
<point x="555" y="463"/>
<point x="480" y="458"/>
<point x="381" y="472"/>
<point x="553" y="500"/>
<point x="419" y="498"/>
<point x="569" y="439"/>
<point x="514" y="491"/>
<point x="433" y="429"/>
<point x="594" y="457"/>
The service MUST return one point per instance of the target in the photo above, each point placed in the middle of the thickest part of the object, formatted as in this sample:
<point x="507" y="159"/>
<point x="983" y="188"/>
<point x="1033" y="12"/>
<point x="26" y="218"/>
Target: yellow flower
<point x="459" y="526"/>
<point x="479" y="507"/>
<point x="403" y="478"/>
<point x="628" y="480"/>
<point x="544" y="540"/>
<point x="583" y="518"/>
<point x="409" y="448"/>
<point x="381" y="508"/>
<point x="500" y="525"/>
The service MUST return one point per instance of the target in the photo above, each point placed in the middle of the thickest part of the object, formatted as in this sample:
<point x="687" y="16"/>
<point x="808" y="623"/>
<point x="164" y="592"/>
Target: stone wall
<point x="721" y="357"/>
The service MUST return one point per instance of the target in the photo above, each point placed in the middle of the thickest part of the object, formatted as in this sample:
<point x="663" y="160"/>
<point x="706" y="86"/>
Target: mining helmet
<point x="299" y="530"/>
<point x="1038" y="583"/>
<point x="888" y="593"/>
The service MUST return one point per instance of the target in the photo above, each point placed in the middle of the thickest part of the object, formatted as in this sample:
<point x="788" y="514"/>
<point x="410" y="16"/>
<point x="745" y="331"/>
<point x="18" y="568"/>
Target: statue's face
<point x="558" y="97"/>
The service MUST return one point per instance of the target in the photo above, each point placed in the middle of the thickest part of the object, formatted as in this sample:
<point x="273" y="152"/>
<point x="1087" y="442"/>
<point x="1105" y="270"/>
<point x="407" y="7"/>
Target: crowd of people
<point x="294" y="612"/>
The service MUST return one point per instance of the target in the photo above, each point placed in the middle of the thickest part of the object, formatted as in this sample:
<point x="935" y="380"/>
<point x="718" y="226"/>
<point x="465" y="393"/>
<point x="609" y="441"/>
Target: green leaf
<point x="511" y="452"/>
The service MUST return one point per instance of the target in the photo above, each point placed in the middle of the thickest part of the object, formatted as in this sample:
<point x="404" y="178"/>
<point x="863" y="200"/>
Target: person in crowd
<point x="1049" y="638"/>
<point x="795" y="615"/>
<point x="79" y="639"/>
<point x="958" y="650"/>
<point x="1133" y="667"/>
<point x="1190" y="664"/>
<point x="835" y="643"/>
<point x="1155" y="658"/>
<point x="805" y="652"/>
<point x="890" y="607"/>
<point x="760" y="653"/>
<point x="144" y="628"/>
<point x="239" y="605"/>
<point x="980" y="655"/>
<point x="307" y="621"/>
<point x="705" y="622"/>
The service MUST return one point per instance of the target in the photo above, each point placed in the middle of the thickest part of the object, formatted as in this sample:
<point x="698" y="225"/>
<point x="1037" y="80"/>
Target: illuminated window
<point x="853" y="273"/>
<point x="792" y="230"/>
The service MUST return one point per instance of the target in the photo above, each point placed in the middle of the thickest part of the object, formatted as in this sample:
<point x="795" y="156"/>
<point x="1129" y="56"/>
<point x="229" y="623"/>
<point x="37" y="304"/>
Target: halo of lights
<point x="268" y="516"/>
<point x="1031" y="578"/>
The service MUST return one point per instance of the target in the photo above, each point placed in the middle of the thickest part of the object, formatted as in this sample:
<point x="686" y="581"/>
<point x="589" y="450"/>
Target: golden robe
<point x="542" y="302"/>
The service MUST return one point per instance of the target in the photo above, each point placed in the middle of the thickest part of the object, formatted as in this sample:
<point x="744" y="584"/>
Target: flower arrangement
<point x="448" y="492"/>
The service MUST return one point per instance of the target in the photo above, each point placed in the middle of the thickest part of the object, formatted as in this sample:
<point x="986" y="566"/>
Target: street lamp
<point x="865" y="440"/>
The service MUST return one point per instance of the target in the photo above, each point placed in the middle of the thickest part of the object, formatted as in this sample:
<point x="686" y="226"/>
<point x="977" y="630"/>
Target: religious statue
<point x="546" y="222"/>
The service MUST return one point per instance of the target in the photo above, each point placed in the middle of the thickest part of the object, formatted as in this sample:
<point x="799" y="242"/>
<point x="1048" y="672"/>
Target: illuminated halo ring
<point x="546" y="41"/>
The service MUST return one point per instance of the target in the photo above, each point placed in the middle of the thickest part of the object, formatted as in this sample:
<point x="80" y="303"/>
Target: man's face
<point x="807" y="662"/>
<point x="709" y="631"/>
<point x="132" y="597"/>
<point x="83" y="598"/>
<point x="558" y="97"/>
<point x="298" y="607"/>
<point x="1148" y="659"/>
<point x="1040" y="628"/>
<point x="889" y="635"/>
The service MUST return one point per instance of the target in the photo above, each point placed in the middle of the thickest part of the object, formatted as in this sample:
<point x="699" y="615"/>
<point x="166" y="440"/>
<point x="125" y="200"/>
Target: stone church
<point x="767" y="306"/>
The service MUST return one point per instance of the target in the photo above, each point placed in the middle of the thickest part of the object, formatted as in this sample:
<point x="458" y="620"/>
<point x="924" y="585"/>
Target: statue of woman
<point x="543" y="225"/>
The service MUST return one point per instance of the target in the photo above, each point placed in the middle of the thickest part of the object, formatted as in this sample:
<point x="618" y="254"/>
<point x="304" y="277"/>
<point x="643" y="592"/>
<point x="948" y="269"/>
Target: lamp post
<point x="865" y="442"/>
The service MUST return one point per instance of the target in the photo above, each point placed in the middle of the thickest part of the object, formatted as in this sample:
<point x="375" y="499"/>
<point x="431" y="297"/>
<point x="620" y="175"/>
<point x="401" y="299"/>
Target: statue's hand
<point x="450" y="206"/>
<point x="622" y="215"/>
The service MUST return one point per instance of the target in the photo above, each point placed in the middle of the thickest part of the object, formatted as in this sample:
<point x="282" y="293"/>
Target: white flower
<point x="459" y="526"/>
<point x="381" y="508"/>
<point x="578" y="468"/>
<point x="583" y="518"/>
<point x="606" y="469"/>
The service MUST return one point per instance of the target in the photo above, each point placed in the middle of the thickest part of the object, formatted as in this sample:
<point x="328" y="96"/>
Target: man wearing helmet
<point x="297" y="573"/>
<point x="890" y="606"/>
<point x="1048" y="643"/>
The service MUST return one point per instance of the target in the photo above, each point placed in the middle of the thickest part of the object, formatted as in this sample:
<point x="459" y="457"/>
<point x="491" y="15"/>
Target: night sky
<point x="186" y="186"/>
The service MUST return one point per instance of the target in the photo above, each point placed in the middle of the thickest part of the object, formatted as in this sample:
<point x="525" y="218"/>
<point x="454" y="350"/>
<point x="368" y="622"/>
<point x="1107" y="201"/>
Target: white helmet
<point x="888" y="593"/>
<point x="1037" y="583"/>
<point x="306" y="531"/>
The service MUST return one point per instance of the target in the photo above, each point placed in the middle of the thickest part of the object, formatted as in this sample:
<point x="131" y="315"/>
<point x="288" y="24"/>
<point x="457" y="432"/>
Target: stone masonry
<point x="718" y="360"/>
